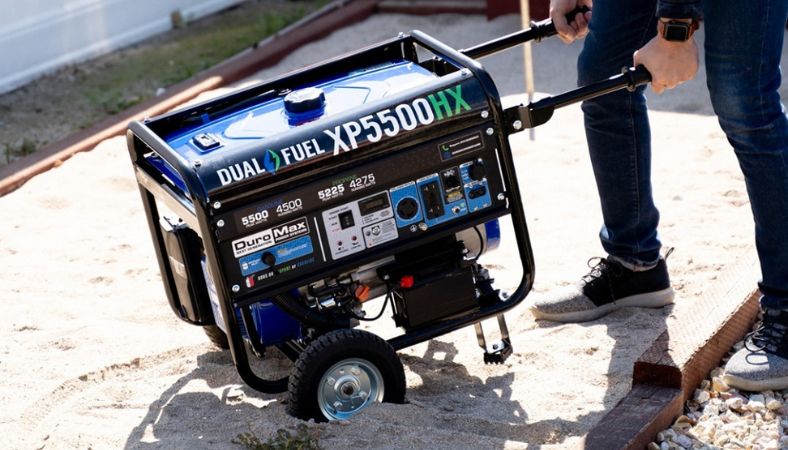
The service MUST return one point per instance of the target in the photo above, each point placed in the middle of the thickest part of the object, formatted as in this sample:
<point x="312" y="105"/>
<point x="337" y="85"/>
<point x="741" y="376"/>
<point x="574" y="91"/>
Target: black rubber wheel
<point x="216" y="336"/>
<point x="341" y="373"/>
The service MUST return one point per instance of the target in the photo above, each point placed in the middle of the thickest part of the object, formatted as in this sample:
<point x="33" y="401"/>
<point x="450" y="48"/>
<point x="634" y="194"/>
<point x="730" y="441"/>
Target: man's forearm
<point x="680" y="9"/>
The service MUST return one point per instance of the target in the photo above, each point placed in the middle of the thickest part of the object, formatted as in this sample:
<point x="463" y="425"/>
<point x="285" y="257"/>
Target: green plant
<point x="303" y="439"/>
<point x="23" y="148"/>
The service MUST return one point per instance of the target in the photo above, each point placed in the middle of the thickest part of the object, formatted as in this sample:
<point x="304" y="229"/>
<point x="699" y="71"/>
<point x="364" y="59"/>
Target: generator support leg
<point x="498" y="351"/>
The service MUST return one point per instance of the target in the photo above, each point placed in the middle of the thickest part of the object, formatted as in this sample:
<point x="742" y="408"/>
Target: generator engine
<point x="381" y="181"/>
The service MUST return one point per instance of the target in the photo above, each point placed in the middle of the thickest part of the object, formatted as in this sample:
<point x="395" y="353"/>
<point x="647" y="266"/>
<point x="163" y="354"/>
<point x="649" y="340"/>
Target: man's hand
<point x="670" y="63"/>
<point x="576" y="28"/>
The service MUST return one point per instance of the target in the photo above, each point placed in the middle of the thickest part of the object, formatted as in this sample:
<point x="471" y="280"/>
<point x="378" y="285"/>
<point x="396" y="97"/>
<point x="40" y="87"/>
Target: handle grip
<point x="537" y="32"/>
<point x="549" y="26"/>
<point x="637" y="76"/>
<point x="534" y="114"/>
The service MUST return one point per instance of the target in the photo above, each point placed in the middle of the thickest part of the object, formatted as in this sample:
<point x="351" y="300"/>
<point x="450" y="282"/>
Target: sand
<point x="92" y="357"/>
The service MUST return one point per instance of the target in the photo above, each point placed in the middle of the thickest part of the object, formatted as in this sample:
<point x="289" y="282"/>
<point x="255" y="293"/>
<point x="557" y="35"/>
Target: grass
<point x="79" y="96"/>
<point x="123" y="84"/>
<point x="303" y="439"/>
<point x="22" y="148"/>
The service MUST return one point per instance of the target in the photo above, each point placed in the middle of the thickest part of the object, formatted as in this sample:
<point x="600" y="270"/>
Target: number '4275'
<point x="362" y="181"/>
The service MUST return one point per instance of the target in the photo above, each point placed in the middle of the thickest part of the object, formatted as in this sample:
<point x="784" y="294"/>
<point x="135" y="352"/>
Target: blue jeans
<point x="744" y="42"/>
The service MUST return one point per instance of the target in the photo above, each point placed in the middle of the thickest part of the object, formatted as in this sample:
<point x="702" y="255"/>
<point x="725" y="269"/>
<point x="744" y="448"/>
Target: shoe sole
<point x="774" y="384"/>
<point x="656" y="299"/>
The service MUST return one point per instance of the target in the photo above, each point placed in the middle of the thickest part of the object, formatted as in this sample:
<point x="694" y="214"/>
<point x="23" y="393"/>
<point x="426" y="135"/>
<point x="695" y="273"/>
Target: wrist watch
<point x="678" y="30"/>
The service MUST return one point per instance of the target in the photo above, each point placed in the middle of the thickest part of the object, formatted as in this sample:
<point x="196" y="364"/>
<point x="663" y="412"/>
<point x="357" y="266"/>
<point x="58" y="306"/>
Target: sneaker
<point x="608" y="287"/>
<point x="763" y="362"/>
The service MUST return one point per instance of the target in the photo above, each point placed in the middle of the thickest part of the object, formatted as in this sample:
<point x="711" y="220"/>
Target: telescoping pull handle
<point x="537" y="32"/>
<point x="521" y="117"/>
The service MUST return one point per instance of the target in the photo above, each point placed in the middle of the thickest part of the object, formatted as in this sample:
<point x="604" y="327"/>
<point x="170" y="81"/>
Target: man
<point x="742" y="49"/>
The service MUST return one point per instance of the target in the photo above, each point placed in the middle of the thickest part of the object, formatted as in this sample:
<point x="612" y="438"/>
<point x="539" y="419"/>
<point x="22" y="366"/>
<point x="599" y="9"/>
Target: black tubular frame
<point x="198" y="210"/>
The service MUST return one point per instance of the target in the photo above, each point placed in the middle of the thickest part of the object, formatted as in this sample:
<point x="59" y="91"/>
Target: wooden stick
<point x="525" y="15"/>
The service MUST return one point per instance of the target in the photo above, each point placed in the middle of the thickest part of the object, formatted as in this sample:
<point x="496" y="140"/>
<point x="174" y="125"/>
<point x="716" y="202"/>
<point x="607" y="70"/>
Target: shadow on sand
<point x="448" y="392"/>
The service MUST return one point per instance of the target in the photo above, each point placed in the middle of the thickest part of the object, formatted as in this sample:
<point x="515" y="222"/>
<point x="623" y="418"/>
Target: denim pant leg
<point x="618" y="133"/>
<point x="744" y="42"/>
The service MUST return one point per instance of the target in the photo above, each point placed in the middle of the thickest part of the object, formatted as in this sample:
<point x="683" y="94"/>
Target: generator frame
<point x="200" y="210"/>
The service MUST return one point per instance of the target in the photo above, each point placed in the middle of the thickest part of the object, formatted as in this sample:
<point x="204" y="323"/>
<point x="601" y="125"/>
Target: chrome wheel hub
<point x="348" y="387"/>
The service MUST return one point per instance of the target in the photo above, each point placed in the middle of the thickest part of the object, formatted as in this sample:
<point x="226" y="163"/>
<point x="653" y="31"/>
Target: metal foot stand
<point x="496" y="352"/>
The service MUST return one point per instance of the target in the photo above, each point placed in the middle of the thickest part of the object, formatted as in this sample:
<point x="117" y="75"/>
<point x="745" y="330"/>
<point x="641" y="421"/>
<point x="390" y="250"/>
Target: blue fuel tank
<point x="274" y="113"/>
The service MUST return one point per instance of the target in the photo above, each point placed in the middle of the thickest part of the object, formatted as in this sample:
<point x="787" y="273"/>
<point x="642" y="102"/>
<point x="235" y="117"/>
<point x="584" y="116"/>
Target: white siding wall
<point x="39" y="36"/>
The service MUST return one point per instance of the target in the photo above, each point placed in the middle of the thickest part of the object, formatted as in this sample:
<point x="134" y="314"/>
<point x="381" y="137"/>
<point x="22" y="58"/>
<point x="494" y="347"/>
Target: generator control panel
<point x="372" y="208"/>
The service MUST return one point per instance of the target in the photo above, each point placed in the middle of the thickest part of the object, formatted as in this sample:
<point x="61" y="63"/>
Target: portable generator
<point x="278" y="211"/>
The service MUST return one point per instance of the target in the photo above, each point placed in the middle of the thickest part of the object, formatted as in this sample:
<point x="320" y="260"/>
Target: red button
<point x="406" y="282"/>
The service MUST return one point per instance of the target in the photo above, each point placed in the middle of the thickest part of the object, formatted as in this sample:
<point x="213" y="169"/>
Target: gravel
<point x="720" y="417"/>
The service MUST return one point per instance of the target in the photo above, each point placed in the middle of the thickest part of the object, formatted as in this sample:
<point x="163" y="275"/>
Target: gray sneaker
<point x="763" y="362"/>
<point x="608" y="287"/>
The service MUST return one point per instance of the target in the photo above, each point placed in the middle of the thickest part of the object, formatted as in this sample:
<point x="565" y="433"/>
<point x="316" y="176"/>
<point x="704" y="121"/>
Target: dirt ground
<point x="92" y="357"/>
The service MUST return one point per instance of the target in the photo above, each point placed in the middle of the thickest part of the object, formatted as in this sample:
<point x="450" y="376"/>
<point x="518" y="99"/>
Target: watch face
<point x="676" y="31"/>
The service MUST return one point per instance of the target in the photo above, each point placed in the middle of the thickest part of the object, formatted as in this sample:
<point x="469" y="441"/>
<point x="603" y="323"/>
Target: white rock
<point x="735" y="403"/>
<point x="685" y="418"/>
<point x="774" y="404"/>
<point x="756" y="403"/>
<point x="729" y="416"/>
<point x="701" y="396"/>
<point x="719" y="385"/>
<point x="666" y="435"/>
<point x="664" y="446"/>
<point x="683" y="441"/>
<point x="711" y="410"/>
<point x="769" y="444"/>
<point x="758" y="398"/>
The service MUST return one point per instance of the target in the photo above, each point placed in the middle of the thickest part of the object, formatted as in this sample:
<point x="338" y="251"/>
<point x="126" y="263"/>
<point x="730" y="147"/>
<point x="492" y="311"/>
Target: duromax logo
<point x="271" y="161"/>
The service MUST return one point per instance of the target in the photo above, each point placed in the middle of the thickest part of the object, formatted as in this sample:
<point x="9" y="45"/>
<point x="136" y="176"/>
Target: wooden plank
<point x="539" y="9"/>
<point x="666" y="375"/>
<point x="427" y="7"/>
<point x="695" y="340"/>
<point x="334" y="16"/>
<point x="634" y="422"/>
